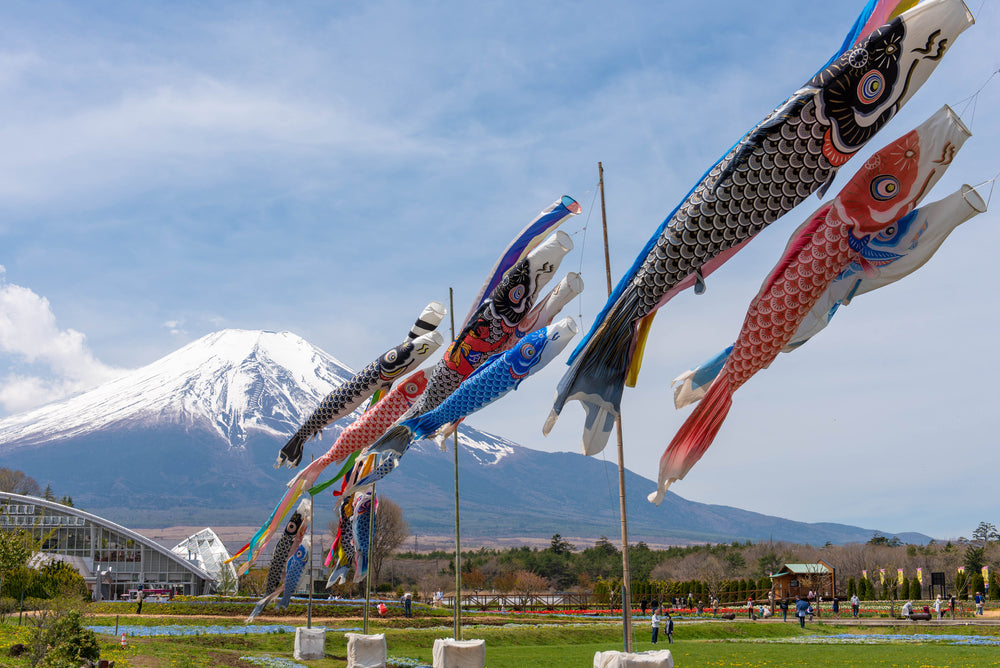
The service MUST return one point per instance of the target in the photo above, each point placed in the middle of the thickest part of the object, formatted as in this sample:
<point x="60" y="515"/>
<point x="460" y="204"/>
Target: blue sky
<point x="171" y="169"/>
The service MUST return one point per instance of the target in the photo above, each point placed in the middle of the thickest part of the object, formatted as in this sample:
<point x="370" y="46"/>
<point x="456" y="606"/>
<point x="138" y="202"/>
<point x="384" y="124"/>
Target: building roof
<point x="802" y="569"/>
<point x="108" y="524"/>
<point x="205" y="549"/>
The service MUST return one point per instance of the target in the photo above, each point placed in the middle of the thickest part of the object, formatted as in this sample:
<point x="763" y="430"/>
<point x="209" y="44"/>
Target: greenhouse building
<point x="122" y="560"/>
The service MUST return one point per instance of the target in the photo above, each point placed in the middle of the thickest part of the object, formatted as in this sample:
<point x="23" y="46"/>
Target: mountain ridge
<point x="193" y="436"/>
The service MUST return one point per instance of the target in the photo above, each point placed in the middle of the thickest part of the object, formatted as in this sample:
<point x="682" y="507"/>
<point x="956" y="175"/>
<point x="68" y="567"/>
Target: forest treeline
<point x="728" y="571"/>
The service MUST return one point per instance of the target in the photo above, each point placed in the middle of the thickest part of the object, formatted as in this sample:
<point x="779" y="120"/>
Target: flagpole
<point x="371" y="543"/>
<point x="626" y="574"/>
<point x="312" y="516"/>
<point x="458" y="540"/>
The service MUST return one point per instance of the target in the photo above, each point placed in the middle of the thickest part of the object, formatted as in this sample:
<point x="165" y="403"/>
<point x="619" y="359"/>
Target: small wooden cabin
<point x="794" y="580"/>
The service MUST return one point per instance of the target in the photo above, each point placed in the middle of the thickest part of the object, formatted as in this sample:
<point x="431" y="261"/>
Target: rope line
<point x="583" y="246"/>
<point x="973" y="100"/>
<point x="992" y="183"/>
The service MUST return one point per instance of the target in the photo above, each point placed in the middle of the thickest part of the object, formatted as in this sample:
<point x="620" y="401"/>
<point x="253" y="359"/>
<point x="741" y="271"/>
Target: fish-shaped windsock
<point x="500" y="375"/>
<point x="793" y="152"/>
<point x="290" y="539"/>
<point x="362" y="432"/>
<point x="495" y="322"/>
<point x="293" y="571"/>
<point x="363" y="524"/>
<point x="542" y="315"/>
<point x="341" y="556"/>
<point x="379" y="375"/>
<point x="918" y="235"/>
<point x="294" y="534"/>
<point x="916" y="238"/>
<point x="548" y="220"/>
<point x="843" y="231"/>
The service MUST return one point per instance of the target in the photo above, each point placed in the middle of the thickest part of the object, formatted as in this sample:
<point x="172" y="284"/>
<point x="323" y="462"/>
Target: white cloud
<point x="175" y="327"/>
<point x="60" y="362"/>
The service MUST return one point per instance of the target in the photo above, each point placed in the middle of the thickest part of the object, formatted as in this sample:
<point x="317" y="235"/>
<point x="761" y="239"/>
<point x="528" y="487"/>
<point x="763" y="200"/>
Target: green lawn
<point x="568" y="644"/>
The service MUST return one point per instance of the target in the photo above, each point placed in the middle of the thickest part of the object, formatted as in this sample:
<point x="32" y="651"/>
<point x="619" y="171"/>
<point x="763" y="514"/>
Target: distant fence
<point x="495" y="601"/>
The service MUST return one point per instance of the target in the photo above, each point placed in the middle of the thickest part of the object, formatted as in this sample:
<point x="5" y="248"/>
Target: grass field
<point x="527" y="641"/>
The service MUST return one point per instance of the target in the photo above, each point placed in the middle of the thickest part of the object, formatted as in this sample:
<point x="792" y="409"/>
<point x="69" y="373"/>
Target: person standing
<point x="855" y="605"/>
<point x="979" y="602"/>
<point x="408" y="604"/>
<point x="670" y="629"/>
<point x="951" y="604"/>
<point x="655" y="623"/>
<point x="937" y="607"/>
<point x="750" y="614"/>
<point x="801" y="610"/>
<point x="784" y="609"/>
<point x="835" y="606"/>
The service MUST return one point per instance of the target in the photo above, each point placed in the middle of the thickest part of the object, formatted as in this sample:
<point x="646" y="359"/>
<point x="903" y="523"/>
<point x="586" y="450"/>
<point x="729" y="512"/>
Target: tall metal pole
<point x="626" y="574"/>
<point x="312" y="524"/>
<point x="458" y="540"/>
<point x="371" y="542"/>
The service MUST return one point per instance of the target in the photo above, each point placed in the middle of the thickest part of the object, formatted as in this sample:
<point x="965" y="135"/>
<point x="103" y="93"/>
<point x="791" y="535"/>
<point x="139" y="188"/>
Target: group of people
<point x="668" y="624"/>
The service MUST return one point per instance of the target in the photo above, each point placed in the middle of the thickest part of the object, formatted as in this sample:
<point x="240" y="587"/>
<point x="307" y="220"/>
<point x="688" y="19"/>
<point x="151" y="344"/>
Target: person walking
<point x="750" y="614"/>
<point x="655" y="623"/>
<point x="801" y="610"/>
<point x="784" y="609"/>
<point x="979" y="602"/>
<point x="855" y="605"/>
<point x="836" y="607"/>
<point x="951" y="604"/>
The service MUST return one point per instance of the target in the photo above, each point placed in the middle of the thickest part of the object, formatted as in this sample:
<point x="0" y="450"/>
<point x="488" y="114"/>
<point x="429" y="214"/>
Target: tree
<point x="15" y="550"/>
<point x="18" y="482"/>
<point x="527" y="583"/>
<point x="986" y="533"/>
<point x="391" y="531"/>
<point x="560" y="546"/>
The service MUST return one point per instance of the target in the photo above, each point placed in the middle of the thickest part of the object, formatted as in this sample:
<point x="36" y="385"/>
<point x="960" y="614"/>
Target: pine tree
<point x="851" y="589"/>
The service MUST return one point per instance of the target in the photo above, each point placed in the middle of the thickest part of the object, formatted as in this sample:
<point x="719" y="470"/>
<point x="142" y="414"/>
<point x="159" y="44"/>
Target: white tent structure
<point x="206" y="550"/>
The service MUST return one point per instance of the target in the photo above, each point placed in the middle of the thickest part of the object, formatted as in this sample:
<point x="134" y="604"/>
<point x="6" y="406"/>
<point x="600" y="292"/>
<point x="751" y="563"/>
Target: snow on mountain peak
<point x="231" y="381"/>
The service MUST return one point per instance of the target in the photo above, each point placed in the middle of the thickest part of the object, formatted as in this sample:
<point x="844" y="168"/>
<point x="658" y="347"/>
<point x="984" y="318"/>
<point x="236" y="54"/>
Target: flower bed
<point x="179" y="630"/>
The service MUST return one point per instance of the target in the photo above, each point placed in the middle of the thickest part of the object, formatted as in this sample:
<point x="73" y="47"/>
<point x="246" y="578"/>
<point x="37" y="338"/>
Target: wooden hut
<point x="794" y="580"/>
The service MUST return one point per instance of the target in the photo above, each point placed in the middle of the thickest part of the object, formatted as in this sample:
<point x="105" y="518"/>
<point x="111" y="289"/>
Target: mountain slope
<point x="231" y="382"/>
<point x="191" y="439"/>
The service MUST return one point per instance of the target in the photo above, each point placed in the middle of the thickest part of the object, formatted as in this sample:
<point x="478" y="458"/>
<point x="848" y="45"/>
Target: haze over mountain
<point x="192" y="437"/>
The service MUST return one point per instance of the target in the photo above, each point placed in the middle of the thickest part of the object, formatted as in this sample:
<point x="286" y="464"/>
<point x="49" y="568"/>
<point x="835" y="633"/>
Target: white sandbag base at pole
<point x="451" y="653"/>
<point x="366" y="651"/>
<point x="653" y="659"/>
<point x="310" y="644"/>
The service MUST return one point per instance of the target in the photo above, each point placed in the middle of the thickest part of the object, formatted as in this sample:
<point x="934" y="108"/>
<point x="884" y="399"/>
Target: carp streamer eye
<point x="886" y="234"/>
<point x="871" y="87"/>
<point x="410" y="388"/>
<point x="528" y="351"/>
<point x="390" y="356"/>
<point x="884" y="187"/>
<point x="517" y="293"/>
<point x="858" y="58"/>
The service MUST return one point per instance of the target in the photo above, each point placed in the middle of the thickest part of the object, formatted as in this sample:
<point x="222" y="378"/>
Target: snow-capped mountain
<point x="192" y="437"/>
<point x="231" y="382"/>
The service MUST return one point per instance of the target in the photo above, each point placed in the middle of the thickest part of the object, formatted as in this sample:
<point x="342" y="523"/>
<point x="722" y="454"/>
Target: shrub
<point x="60" y="641"/>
